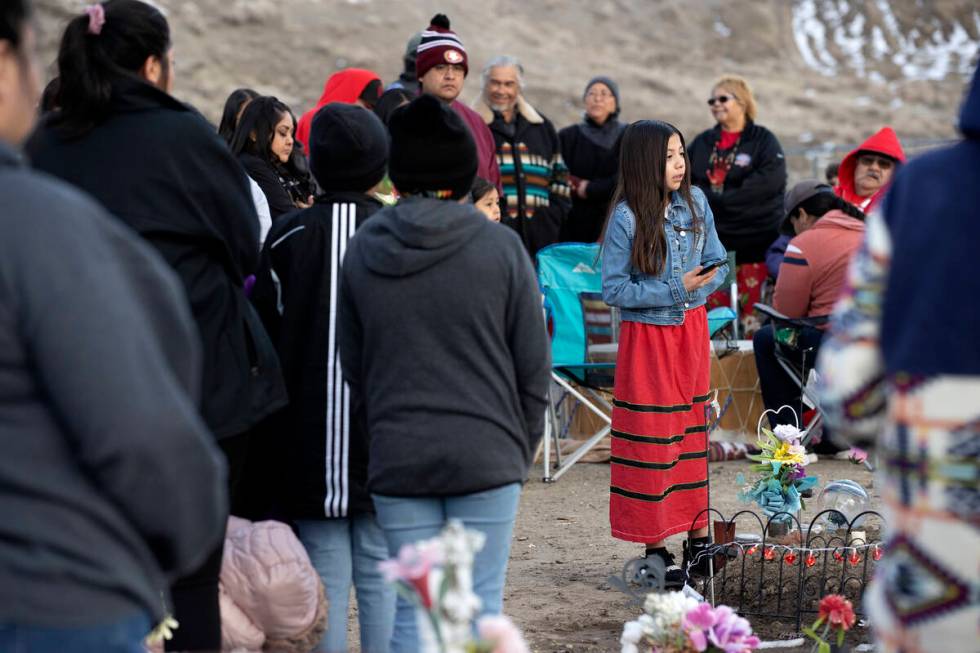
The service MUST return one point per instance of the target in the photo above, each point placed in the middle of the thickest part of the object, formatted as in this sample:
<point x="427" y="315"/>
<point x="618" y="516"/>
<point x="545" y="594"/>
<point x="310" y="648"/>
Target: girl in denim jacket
<point x="660" y="241"/>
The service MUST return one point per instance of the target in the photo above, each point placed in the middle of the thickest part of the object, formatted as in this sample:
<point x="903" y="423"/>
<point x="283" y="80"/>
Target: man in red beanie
<point x="865" y="172"/>
<point x="442" y="66"/>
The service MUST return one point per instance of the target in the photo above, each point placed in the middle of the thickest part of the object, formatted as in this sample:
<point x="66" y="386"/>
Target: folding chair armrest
<point x="785" y="320"/>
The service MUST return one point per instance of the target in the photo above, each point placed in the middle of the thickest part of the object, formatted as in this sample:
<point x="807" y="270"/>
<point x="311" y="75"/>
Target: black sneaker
<point x="695" y="551"/>
<point x="674" y="576"/>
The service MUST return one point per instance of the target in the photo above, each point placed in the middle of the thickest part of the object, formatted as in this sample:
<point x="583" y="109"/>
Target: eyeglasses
<point x="868" y="160"/>
<point x="721" y="99"/>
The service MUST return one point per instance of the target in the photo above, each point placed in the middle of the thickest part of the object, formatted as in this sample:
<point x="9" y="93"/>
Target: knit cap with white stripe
<point x="439" y="45"/>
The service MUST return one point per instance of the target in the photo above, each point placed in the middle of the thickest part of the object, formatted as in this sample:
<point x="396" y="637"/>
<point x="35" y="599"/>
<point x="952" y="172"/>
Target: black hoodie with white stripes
<point x="318" y="454"/>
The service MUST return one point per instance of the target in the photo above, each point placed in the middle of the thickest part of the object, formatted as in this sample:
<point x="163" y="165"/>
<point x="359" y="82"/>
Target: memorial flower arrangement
<point x="436" y="576"/>
<point x="676" y="623"/>
<point x="835" y="614"/>
<point x="782" y="468"/>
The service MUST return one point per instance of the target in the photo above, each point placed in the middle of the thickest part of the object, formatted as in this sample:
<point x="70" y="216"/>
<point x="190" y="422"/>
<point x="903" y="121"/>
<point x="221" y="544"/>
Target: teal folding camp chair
<point x="583" y="345"/>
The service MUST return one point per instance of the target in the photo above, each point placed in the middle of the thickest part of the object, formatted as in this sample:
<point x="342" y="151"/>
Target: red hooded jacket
<point x="343" y="86"/>
<point x="883" y="142"/>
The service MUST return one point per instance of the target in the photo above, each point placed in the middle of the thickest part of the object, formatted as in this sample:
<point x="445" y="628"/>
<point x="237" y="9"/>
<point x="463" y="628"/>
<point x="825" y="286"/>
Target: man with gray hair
<point x="534" y="177"/>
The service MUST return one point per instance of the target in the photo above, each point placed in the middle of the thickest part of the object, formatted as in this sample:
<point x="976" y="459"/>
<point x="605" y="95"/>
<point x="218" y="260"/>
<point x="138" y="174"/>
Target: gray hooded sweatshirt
<point x="442" y="336"/>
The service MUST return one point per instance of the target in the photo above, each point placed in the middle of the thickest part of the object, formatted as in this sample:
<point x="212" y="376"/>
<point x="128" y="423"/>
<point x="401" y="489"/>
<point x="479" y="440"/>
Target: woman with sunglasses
<point x="740" y="167"/>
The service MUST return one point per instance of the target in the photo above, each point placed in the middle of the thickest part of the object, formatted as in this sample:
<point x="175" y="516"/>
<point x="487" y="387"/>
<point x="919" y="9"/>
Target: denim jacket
<point x="661" y="299"/>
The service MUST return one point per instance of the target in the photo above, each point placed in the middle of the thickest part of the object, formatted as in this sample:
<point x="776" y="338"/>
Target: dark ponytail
<point x="821" y="203"/>
<point x="89" y="63"/>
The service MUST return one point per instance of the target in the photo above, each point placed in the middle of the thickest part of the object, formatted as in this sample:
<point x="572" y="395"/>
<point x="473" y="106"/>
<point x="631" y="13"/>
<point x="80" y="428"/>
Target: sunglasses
<point x="721" y="99"/>
<point x="883" y="162"/>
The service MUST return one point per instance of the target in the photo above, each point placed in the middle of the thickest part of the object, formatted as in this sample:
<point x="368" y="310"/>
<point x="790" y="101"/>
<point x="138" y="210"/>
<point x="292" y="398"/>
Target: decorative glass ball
<point x="848" y="498"/>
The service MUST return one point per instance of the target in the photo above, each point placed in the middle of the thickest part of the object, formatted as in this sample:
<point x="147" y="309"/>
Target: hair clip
<point x="96" y="18"/>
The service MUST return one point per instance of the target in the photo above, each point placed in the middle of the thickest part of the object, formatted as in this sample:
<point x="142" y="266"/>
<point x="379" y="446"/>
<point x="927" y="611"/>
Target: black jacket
<point x="534" y="177"/>
<point x="110" y="483"/>
<point x="280" y="186"/>
<point x="442" y="334"/>
<point x="158" y="166"/>
<point x="749" y="210"/>
<point x="586" y="159"/>
<point x="319" y="447"/>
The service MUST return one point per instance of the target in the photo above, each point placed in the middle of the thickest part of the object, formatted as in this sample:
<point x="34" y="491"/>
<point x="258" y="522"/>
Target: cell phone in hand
<point x="709" y="267"/>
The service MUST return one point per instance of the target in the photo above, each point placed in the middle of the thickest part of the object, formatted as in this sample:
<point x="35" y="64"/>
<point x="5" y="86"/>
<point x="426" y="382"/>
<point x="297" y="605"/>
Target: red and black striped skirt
<point x="659" y="471"/>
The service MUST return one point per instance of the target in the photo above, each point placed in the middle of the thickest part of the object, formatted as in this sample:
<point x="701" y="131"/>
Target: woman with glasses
<point x="591" y="152"/>
<point x="740" y="167"/>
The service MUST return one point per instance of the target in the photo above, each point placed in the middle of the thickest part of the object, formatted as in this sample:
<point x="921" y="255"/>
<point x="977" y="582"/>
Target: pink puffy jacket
<point x="271" y="596"/>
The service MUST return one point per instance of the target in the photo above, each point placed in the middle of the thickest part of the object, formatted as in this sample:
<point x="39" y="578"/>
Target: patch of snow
<point x="862" y="101"/>
<point x="811" y="38"/>
<point x="850" y="40"/>
<point x="876" y="77"/>
<point x="860" y="44"/>
<point x="896" y="104"/>
<point x="806" y="137"/>
<point x="722" y="29"/>
<point x="878" y="43"/>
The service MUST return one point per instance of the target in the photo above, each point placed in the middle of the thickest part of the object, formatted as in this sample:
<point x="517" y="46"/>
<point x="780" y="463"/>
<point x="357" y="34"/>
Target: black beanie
<point x="432" y="150"/>
<point x="348" y="148"/>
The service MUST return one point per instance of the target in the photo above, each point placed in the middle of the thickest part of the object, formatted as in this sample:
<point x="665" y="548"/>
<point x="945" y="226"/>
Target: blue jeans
<point x="123" y="636"/>
<point x="346" y="551"/>
<point x="407" y="520"/>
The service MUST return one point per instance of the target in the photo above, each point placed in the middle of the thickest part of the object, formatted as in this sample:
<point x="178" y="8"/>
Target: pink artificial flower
<point x="701" y="617"/>
<point x="502" y="633"/>
<point x="412" y="566"/>
<point x="731" y="633"/>
<point x="857" y="456"/>
<point x="698" y="640"/>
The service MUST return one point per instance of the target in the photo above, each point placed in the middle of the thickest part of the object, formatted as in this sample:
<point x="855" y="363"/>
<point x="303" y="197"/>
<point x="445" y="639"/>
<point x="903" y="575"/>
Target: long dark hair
<point x="643" y="186"/>
<point x="821" y="203"/>
<point x="88" y="63"/>
<point x="14" y="15"/>
<point x="229" y="116"/>
<point x="260" y="118"/>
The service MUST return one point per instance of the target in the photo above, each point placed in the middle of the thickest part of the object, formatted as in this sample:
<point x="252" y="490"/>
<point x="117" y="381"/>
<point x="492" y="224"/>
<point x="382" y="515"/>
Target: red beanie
<point x="439" y="45"/>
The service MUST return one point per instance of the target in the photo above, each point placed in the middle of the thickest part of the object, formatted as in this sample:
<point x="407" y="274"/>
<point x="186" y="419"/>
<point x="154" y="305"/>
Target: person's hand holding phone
<point x="700" y="276"/>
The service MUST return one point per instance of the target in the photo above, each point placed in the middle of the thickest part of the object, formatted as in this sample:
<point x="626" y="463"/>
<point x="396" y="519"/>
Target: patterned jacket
<point x="902" y="367"/>
<point x="535" y="179"/>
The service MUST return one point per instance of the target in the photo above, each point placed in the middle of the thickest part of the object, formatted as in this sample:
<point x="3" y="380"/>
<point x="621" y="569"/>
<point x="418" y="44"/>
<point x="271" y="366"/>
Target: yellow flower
<point x="785" y="454"/>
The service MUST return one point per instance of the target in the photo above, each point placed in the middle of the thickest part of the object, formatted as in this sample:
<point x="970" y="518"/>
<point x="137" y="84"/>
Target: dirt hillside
<point x="823" y="70"/>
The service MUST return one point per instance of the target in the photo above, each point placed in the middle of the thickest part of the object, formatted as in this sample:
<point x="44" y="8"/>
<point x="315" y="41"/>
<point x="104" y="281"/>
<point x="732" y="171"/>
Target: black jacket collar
<point x="133" y="94"/>
<point x="347" y="196"/>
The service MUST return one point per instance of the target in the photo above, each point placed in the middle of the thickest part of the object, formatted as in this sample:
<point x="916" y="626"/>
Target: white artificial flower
<point x="632" y="636"/>
<point x="788" y="433"/>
